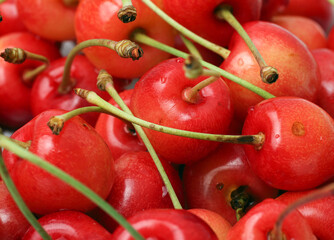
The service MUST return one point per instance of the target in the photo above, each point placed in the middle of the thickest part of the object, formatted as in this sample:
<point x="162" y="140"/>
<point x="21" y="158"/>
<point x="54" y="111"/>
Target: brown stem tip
<point x="81" y="92"/>
<point x="128" y="49"/>
<point x="192" y="67"/>
<point x="269" y="74"/>
<point x="102" y="79"/>
<point x="127" y="14"/>
<point x="14" y="55"/>
<point x="56" y="124"/>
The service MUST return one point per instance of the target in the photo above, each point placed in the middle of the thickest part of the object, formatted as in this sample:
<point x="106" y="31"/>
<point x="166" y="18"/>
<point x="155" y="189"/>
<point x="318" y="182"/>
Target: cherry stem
<point x="71" y="3"/>
<point x="93" y="98"/>
<point x="193" y="68"/>
<point x="143" y="38"/>
<point x="124" y="48"/>
<point x="105" y="82"/>
<point x="18" y="56"/>
<point x="128" y="12"/>
<point x="268" y="74"/>
<point x="191" y="95"/>
<point x="19" y="201"/>
<point x="317" y="194"/>
<point x="209" y="45"/>
<point x="191" y="47"/>
<point x="6" y="143"/>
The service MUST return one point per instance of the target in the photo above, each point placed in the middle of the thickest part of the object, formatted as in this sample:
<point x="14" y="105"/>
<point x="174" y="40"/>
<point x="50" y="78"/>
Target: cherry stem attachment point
<point x="326" y="191"/>
<point x="71" y="3"/>
<point x="209" y="45"/>
<point x="19" y="56"/>
<point x="143" y="38"/>
<point x="6" y="143"/>
<point x="124" y="48"/>
<point x="193" y="68"/>
<point x="191" y="94"/>
<point x="128" y="12"/>
<point x="105" y="82"/>
<point x="268" y="74"/>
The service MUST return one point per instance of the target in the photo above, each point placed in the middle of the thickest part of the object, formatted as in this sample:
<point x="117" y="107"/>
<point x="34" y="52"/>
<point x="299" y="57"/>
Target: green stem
<point x="6" y="143"/>
<point x="124" y="48"/>
<point x="191" y="47"/>
<point x="19" y="201"/>
<point x="268" y="74"/>
<point x="113" y="93"/>
<point x="191" y="94"/>
<point x="142" y="38"/>
<point x="209" y="45"/>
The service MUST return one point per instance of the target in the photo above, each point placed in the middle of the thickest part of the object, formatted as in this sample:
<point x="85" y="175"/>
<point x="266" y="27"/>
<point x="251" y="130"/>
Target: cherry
<point x="69" y="225"/>
<point x="120" y="136"/>
<point x="50" y="19"/>
<point x="91" y="22"/>
<point x="138" y="186"/>
<point x="14" y="94"/>
<point x="295" y="154"/>
<point x="78" y="150"/>
<point x="11" y="21"/>
<point x="298" y="78"/>
<point x="330" y="42"/>
<point x="271" y="7"/>
<point x="223" y="182"/>
<point x="167" y="224"/>
<point x="166" y="104"/>
<point x="306" y="29"/>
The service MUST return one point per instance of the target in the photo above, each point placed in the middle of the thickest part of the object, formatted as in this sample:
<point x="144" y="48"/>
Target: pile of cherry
<point x="235" y="143"/>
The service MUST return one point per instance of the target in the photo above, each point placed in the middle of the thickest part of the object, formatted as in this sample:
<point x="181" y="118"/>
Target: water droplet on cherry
<point x="240" y="62"/>
<point x="163" y="80"/>
<point x="164" y="191"/>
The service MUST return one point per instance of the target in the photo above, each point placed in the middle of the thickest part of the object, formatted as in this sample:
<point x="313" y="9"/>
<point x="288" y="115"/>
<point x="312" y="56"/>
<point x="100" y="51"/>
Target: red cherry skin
<point x="14" y="94"/>
<point x="296" y="153"/>
<point x="138" y="186"/>
<point x="11" y="21"/>
<point x="209" y="182"/>
<point x="260" y="220"/>
<point x="319" y="213"/>
<point x="300" y="77"/>
<point x="167" y="224"/>
<point x="49" y="19"/>
<point x="78" y="150"/>
<point x="69" y="225"/>
<point x="330" y="42"/>
<point x="98" y="19"/>
<point x="157" y="98"/>
<point x="117" y="133"/>
<point x="199" y="16"/>
<point x="13" y="224"/>
<point x="306" y="29"/>
<point x="271" y="7"/>
<point x="45" y="95"/>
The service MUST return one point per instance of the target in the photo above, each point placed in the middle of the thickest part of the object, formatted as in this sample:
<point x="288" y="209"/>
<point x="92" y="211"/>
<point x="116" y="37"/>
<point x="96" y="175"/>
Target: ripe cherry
<point x="11" y="21"/>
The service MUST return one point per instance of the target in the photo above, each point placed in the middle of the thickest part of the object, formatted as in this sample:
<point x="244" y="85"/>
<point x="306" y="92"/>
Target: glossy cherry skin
<point x="158" y="98"/>
<point x="167" y="224"/>
<point x="199" y="16"/>
<point x="49" y="19"/>
<point x="69" y="225"/>
<point x="319" y="10"/>
<point x="13" y="224"/>
<point x="14" y="94"/>
<point x="10" y="18"/>
<point x="296" y="153"/>
<point x="119" y="135"/>
<point x="324" y="59"/>
<point x="297" y="69"/>
<point x="318" y="213"/>
<point x="260" y="220"/>
<point x="330" y="43"/>
<point x="209" y="182"/>
<point x="78" y="150"/>
<point x="271" y="7"/>
<point x="138" y="186"/>
<point x="45" y="95"/>
<point x="306" y="29"/>
<point x="98" y="19"/>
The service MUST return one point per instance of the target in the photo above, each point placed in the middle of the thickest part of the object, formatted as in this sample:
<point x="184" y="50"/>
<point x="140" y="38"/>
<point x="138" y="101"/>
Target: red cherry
<point x="271" y="7"/>
<point x="10" y="18"/>
<point x="297" y="69"/>
<point x="14" y="94"/>
<point x="167" y="224"/>
<point x="158" y="98"/>
<point x="78" y="150"/>
<point x="69" y="225"/>
<point x="295" y="154"/>
<point x="50" y="19"/>
<point x="98" y="19"/>
<point x="330" y="42"/>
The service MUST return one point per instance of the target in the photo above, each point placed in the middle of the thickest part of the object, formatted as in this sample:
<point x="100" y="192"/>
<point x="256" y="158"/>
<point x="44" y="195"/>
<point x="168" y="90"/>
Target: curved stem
<point x="128" y="12"/>
<point x="124" y="48"/>
<point x="142" y="38"/>
<point x="6" y="143"/>
<point x="209" y="45"/>
<point x="191" y="47"/>
<point x="191" y="94"/>
<point x="317" y="194"/>
<point x="113" y="93"/>
<point x="268" y="74"/>
<point x="20" y="203"/>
